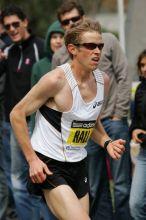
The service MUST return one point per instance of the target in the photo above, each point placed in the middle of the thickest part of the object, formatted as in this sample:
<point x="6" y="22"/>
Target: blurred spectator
<point x="7" y="207"/>
<point x="138" y="135"/>
<point x="17" y="65"/>
<point x="4" y="42"/>
<point x="54" y="40"/>
<point x="4" y="38"/>
<point x="68" y="13"/>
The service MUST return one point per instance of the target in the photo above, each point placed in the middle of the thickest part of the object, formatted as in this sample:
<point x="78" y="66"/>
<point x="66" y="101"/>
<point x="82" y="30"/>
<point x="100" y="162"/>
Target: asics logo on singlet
<point x="97" y="104"/>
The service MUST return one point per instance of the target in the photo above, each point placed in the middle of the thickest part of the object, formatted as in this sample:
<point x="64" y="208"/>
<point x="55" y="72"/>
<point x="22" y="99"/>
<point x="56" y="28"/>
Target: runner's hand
<point x="38" y="171"/>
<point x="116" y="148"/>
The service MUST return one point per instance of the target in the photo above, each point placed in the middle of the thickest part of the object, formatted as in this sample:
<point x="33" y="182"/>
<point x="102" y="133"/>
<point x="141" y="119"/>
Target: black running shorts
<point x="73" y="174"/>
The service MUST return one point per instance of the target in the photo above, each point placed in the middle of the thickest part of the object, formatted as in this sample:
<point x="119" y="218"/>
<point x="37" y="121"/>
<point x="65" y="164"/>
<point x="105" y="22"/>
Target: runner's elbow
<point x="14" y="114"/>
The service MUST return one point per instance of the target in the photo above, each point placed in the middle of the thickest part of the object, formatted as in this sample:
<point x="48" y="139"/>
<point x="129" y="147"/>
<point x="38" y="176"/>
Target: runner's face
<point x="88" y="57"/>
<point x="16" y="28"/>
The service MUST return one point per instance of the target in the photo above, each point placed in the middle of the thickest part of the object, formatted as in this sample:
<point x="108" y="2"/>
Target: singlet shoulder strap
<point x="69" y="75"/>
<point x="99" y="76"/>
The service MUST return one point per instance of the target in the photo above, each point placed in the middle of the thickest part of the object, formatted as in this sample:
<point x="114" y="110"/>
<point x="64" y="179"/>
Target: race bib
<point x="80" y="132"/>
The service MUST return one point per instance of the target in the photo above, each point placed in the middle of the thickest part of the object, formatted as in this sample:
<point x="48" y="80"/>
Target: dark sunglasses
<point x="15" y="24"/>
<point x="91" y="46"/>
<point x="73" y="19"/>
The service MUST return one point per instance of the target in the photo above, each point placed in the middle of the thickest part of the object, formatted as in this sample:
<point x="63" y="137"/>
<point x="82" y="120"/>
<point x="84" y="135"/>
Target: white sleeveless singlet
<point x="63" y="135"/>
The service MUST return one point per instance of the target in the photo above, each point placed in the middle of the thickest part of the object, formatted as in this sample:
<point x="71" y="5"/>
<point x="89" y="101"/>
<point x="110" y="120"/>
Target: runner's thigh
<point x="64" y="203"/>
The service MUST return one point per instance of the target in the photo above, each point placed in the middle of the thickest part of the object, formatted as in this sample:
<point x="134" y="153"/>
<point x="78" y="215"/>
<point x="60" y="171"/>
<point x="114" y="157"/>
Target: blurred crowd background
<point x="43" y="12"/>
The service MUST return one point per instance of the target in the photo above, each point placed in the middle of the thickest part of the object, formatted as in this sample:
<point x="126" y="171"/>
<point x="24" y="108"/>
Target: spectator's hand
<point x="3" y="56"/>
<point x="38" y="171"/>
<point x="116" y="148"/>
<point x="135" y="134"/>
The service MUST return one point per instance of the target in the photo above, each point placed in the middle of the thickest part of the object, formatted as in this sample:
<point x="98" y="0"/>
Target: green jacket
<point x="44" y="65"/>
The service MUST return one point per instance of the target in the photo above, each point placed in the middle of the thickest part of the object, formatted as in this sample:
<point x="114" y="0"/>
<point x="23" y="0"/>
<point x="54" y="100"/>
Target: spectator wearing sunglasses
<point x="68" y="14"/>
<point x="68" y="101"/>
<point x="7" y="206"/>
<point x="26" y="49"/>
<point x="114" y="119"/>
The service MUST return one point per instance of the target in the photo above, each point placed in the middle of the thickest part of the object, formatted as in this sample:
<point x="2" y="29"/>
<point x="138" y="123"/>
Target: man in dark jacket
<point x="16" y="61"/>
<point x="7" y="207"/>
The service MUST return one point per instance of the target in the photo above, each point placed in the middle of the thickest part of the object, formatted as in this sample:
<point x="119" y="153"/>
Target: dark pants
<point x="100" y="198"/>
<point x="121" y="174"/>
<point x="3" y="181"/>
